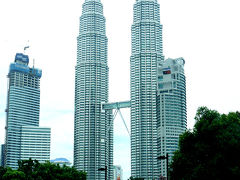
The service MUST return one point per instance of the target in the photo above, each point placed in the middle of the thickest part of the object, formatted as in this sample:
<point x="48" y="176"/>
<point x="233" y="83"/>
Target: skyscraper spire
<point x="92" y="141"/>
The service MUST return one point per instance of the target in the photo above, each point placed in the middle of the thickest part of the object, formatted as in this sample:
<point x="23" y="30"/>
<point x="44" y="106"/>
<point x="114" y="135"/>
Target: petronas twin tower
<point x="93" y="133"/>
<point x="92" y="139"/>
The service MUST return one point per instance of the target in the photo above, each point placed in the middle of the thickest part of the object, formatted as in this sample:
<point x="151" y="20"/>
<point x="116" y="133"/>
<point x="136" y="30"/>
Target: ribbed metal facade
<point x="146" y="54"/>
<point x="93" y="143"/>
<point x="23" y="106"/>
<point x="172" y="113"/>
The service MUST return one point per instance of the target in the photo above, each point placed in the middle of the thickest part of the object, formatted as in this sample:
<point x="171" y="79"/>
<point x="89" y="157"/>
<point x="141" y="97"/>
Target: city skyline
<point x="187" y="32"/>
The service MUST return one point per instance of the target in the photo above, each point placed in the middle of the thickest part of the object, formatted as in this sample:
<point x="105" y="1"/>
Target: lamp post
<point x="104" y="169"/>
<point x="162" y="158"/>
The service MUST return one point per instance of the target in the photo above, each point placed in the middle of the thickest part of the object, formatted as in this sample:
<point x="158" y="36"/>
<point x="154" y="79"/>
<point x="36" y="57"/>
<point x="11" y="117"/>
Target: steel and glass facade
<point x="146" y="54"/>
<point x="158" y="95"/>
<point x="93" y="140"/>
<point x="35" y="143"/>
<point x="23" y="105"/>
<point x="171" y="107"/>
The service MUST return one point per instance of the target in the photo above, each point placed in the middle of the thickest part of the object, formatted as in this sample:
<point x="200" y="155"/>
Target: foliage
<point x="2" y="172"/>
<point x="211" y="150"/>
<point x="33" y="170"/>
<point x="13" y="175"/>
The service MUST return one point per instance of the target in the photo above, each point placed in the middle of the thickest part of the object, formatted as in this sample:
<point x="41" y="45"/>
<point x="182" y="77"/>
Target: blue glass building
<point x="23" y="105"/>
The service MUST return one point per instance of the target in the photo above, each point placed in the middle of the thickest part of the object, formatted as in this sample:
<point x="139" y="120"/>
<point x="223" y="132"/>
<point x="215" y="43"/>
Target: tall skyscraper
<point x="23" y="105"/>
<point x="93" y="140"/>
<point x="171" y="108"/>
<point x="146" y="55"/>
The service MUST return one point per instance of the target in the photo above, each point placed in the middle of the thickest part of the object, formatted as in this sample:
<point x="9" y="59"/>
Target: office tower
<point x="23" y="104"/>
<point x="35" y="143"/>
<point x="146" y="54"/>
<point x="171" y="108"/>
<point x="93" y="140"/>
<point x="117" y="173"/>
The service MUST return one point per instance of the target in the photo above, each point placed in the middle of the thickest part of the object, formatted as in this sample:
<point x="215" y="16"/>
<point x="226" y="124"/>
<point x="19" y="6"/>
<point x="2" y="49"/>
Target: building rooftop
<point x="60" y="160"/>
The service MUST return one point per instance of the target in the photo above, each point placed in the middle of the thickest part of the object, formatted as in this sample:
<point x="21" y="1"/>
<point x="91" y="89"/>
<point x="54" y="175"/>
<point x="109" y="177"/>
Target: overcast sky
<point x="206" y="33"/>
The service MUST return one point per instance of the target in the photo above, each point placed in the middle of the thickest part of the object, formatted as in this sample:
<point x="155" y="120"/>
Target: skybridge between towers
<point x="117" y="106"/>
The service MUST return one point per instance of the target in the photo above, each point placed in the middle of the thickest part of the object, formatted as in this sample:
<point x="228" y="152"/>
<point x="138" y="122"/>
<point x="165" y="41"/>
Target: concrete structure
<point x="23" y="105"/>
<point x="117" y="173"/>
<point x="93" y="139"/>
<point x="171" y="107"/>
<point x="146" y="55"/>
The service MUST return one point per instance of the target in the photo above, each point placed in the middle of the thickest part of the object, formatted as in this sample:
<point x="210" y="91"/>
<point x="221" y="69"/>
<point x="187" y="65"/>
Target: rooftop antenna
<point x="33" y="62"/>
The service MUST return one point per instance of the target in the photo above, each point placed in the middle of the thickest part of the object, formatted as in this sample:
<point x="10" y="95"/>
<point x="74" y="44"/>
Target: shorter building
<point x="117" y="173"/>
<point x="35" y="143"/>
<point x="171" y="105"/>
<point x="2" y="149"/>
<point x="61" y="161"/>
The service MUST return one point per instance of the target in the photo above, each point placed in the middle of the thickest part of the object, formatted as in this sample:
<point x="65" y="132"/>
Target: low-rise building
<point x="61" y="161"/>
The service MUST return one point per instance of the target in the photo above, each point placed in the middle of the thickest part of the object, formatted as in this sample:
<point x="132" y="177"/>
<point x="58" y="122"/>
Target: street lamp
<point x="104" y="169"/>
<point x="162" y="158"/>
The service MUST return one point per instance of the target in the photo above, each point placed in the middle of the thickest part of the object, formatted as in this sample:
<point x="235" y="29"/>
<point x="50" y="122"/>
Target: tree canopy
<point x="211" y="150"/>
<point x="33" y="170"/>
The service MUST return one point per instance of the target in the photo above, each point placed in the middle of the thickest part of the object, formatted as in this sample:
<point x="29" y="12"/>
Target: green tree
<point x="2" y="172"/>
<point x="211" y="150"/>
<point x="33" y="170"/>
<point x="49" y="171"/>
<point x="13" y="175"/>
<point x="29" y="167"/>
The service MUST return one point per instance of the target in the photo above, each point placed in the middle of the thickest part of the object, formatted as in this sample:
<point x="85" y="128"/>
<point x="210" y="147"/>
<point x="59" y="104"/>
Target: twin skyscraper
<point x="158" y="95"/>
